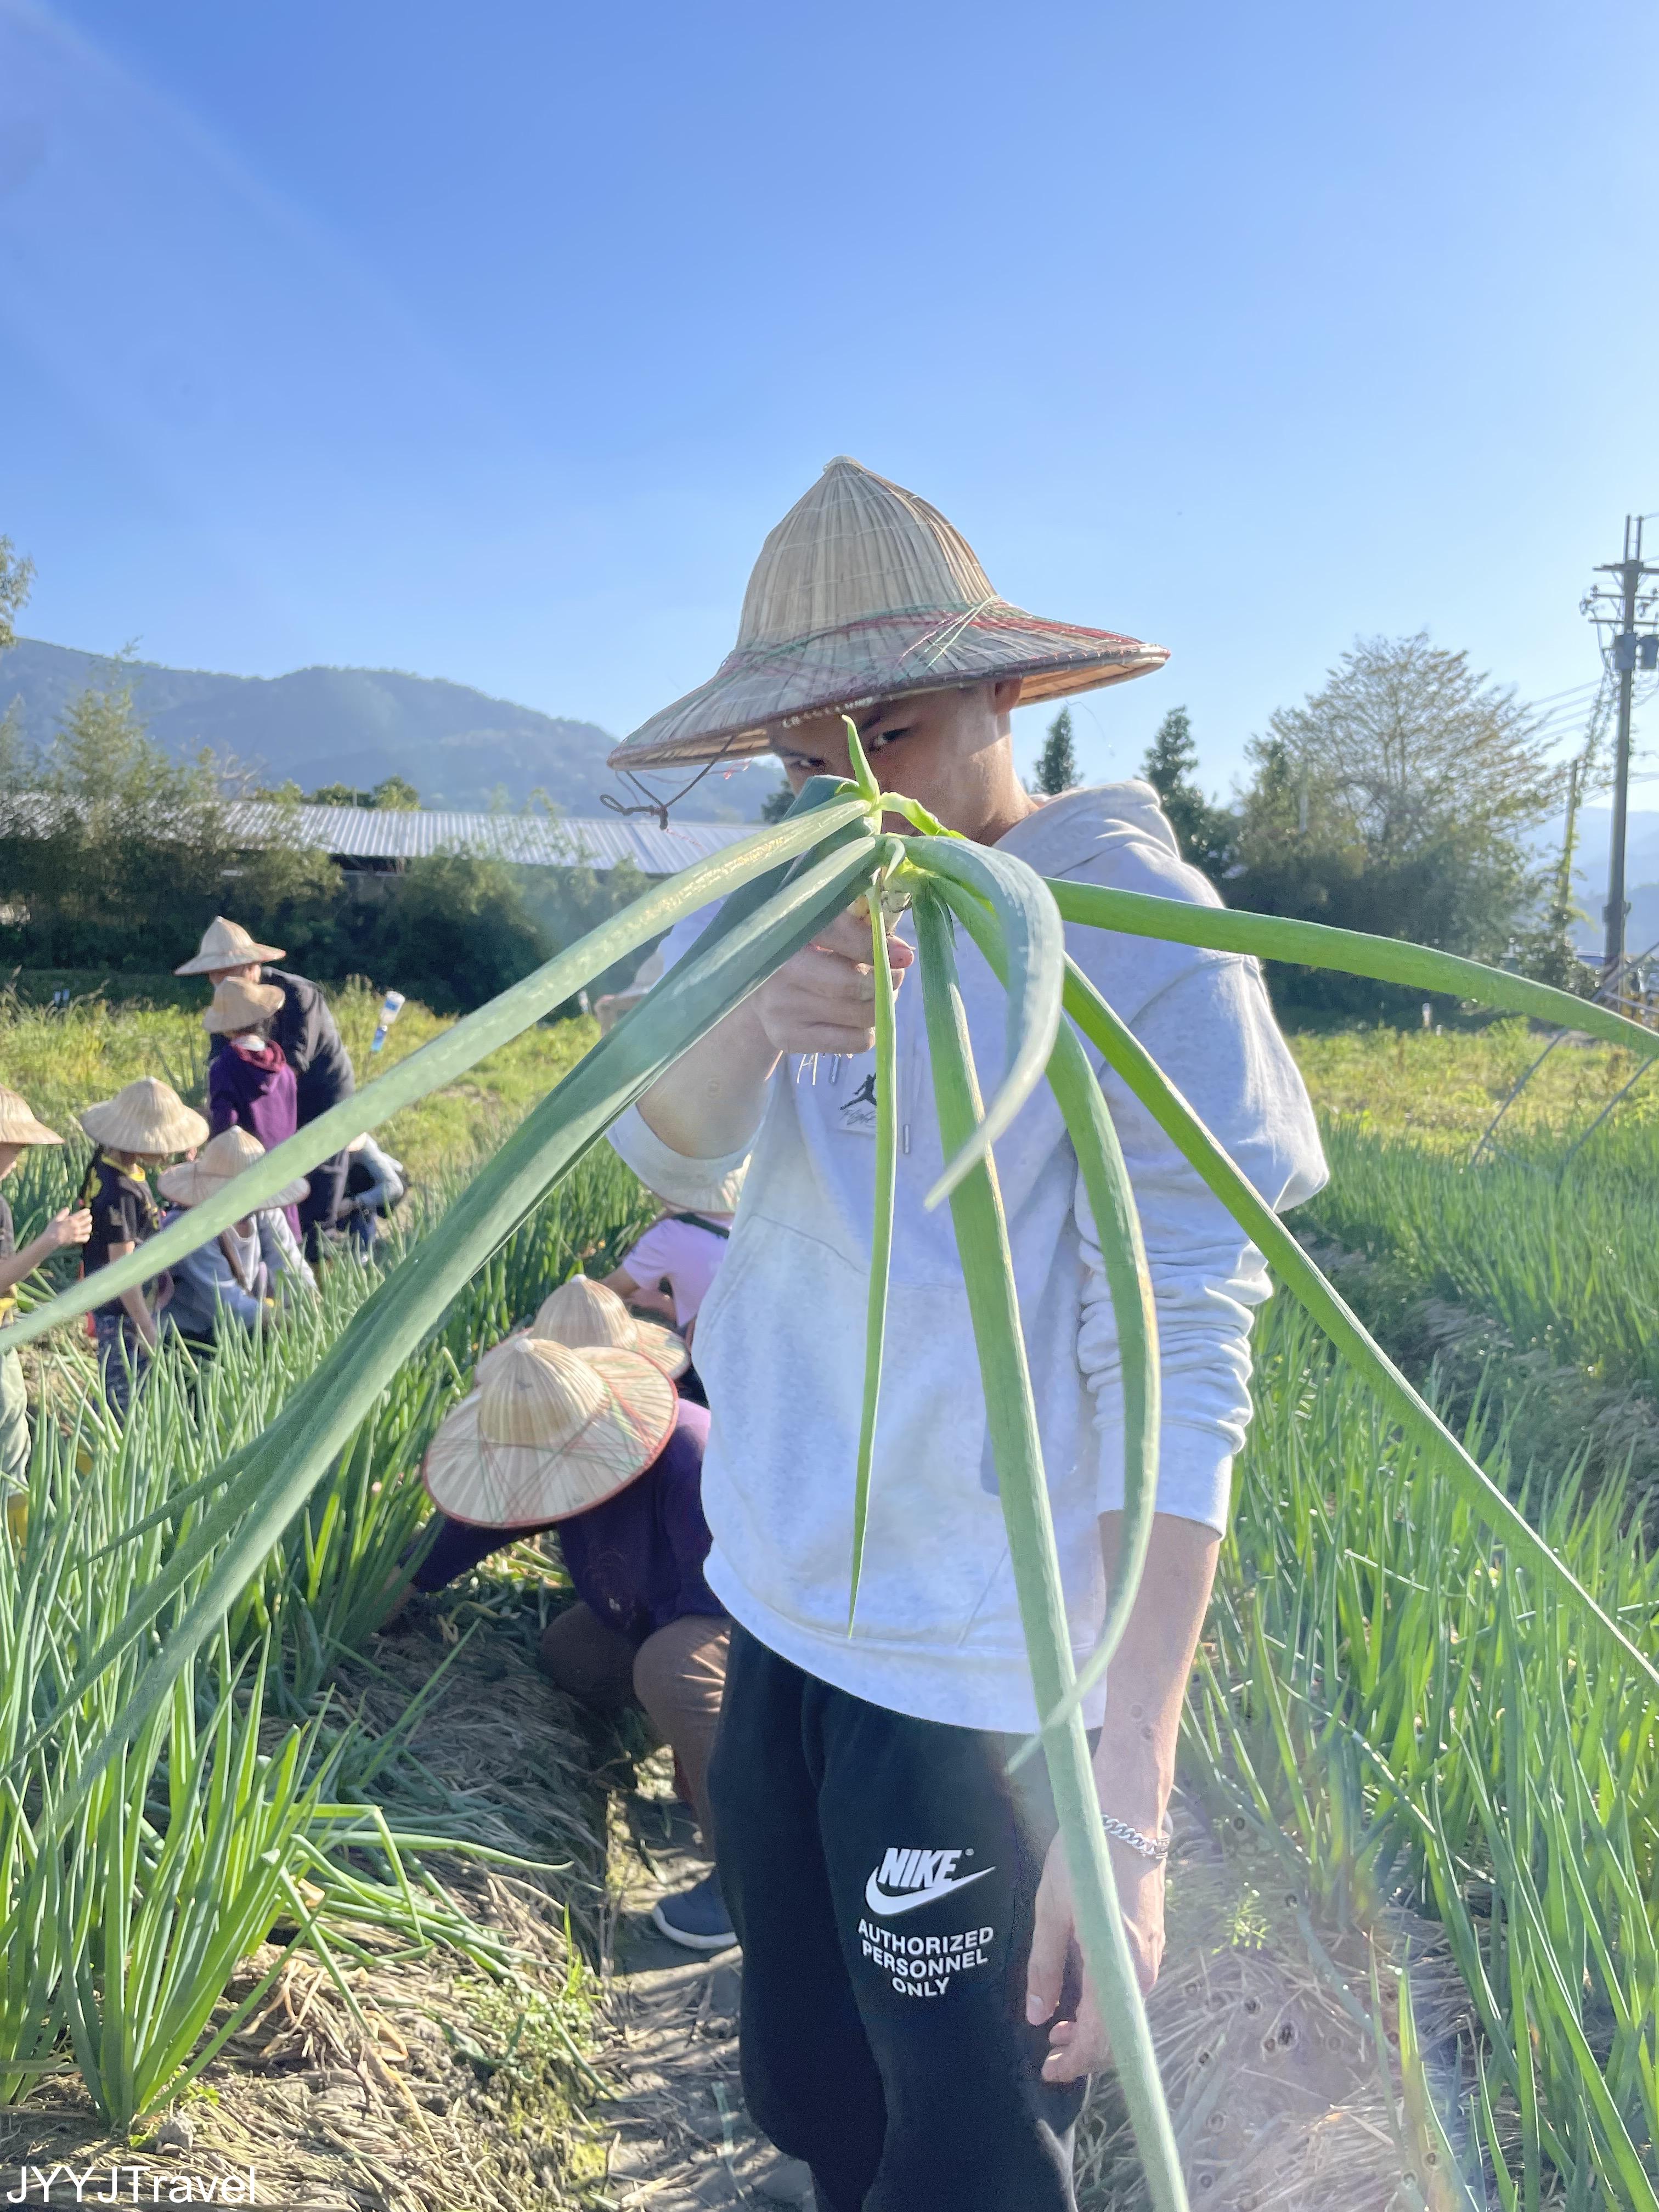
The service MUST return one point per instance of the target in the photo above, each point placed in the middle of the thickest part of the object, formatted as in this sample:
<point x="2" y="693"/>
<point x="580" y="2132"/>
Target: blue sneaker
<point x="696" y="1917"/>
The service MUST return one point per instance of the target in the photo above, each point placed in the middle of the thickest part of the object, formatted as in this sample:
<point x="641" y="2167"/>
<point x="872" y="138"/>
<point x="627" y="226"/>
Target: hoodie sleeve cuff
<point x="709" y="1183"/>
<point x="1194" y="1474"/>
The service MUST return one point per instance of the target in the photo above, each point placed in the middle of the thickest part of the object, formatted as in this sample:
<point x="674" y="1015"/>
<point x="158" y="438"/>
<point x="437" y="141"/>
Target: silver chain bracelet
<point x="1155" y="1848"/>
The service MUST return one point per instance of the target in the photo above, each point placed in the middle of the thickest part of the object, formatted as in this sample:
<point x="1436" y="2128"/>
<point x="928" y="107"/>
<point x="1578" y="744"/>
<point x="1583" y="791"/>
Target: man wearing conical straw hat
<point x="20" y="1132"/>
<point x="913" y="2024"/>
<point x="143" y="1124"/>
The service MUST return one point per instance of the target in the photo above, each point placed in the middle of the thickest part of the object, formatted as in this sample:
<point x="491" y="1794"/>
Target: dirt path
<point x="682" y="2140"/>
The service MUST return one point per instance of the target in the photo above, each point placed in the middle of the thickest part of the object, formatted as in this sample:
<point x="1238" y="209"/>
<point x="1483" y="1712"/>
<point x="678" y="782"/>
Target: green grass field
<point x="62" y="1061"/>
<point x="1442" y="1091"/>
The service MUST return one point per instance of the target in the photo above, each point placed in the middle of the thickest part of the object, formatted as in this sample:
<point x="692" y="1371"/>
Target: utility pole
<point x="1624" y="606"/>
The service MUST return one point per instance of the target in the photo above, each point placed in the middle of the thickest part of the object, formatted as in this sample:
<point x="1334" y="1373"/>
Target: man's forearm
<point x="1146" y="1683"/>
<point x="711" y="1101"/>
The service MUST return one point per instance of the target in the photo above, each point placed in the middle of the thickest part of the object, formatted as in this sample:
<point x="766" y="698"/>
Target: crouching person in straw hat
<point x="575" y="1423"/>
<point x="142" y="1126"/>
<point x="19" y="1132"/>
<point x="241" y="1275"/>
<point x="915" y="2025"/>
<point x="305" y="1029"/>
<point x="251" y="1085"/>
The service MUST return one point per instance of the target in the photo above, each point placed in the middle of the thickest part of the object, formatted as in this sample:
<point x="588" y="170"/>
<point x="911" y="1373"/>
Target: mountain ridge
<point x="459" y="746"/>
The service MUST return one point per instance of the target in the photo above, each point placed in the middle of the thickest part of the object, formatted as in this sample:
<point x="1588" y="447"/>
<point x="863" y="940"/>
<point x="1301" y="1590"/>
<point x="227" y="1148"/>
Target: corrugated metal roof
<point x="365" y="833"/>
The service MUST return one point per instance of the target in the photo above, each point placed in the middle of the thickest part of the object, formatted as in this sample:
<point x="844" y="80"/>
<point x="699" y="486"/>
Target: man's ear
<point x="1005" y="698"/>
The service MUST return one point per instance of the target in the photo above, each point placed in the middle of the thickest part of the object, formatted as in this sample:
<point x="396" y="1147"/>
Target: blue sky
<point x="488" y="342"/>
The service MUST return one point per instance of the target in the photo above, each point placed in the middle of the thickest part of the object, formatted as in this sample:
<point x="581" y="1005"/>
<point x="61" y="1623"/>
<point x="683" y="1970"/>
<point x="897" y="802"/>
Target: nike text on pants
<point x="881" y="1873"/>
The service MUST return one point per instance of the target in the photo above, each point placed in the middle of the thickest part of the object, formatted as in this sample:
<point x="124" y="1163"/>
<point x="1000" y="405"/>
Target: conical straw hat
<point x="227" y="944"/>
<point x="864" y="592"/>
<point x="146" y="1116"/>
<point x="217" y="1164"/>
<point x="18" y="1126"/>
<point x="237" y="1005"/>
<point x="548" y="1433"/>
<point x="583" y="1313"/>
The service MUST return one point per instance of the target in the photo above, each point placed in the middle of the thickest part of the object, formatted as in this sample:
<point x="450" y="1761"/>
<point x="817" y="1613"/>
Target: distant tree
<point x="1396" y="800"/>
<point x="115" y="853"/>
<point x="1205" y="833"/>
<point x="568" y="903"/>
<point x="778" y="802"/>
<point x="1057" y="768"/>
<point x="16" y="574"/>
<point x="393" y="795"/>
<point x="453" y="931"/>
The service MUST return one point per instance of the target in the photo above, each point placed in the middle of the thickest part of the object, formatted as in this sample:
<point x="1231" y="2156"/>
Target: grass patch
<point x="61" y="1061"/>
<point x="1443" y="1090"/>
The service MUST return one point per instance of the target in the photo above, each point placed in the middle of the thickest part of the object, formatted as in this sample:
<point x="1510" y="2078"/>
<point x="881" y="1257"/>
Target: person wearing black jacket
<point x="311" y="1045"/>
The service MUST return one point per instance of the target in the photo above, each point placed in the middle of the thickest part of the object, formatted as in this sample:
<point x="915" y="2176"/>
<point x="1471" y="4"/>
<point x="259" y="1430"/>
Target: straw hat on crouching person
<point x="230" y="1154"/>
<point x="550" y="1432"/>
<point x="866" y="593"/>
<point x="146" y="1120"/>
<point x="240" y="1008"/>
<point x="584" y="1314"/>
<point x="18" y="1126"/>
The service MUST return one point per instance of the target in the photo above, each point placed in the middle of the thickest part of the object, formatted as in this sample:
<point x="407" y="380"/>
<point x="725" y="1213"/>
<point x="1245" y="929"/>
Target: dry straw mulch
<point x="1281" y="2069"/>
<point x="468" y="2091"/>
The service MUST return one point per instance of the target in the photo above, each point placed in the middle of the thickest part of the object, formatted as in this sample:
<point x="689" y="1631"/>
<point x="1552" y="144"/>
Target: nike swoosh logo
<point x="879" y="1900"/>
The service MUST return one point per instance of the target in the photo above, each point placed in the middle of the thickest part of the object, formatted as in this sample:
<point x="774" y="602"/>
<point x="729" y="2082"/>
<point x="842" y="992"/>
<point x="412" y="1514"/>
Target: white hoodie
<point x="781" y="1338"/>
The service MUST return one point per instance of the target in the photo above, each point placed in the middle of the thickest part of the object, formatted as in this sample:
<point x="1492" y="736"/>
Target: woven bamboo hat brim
<point x="583" y="1313"/>
<point x="237" y="1005"/>
<point x="227" y="944"/>
<point x="231" y="1151"/>
<point x="148" y="1116"/>
<point x="548" y="1433"/>
<point x="864" y="592"/>
<point x="18" y="1126"/>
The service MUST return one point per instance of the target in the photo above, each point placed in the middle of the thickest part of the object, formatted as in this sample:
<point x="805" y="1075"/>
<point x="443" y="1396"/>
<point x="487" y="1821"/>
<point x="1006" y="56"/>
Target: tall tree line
<point x="1395" y="798"/>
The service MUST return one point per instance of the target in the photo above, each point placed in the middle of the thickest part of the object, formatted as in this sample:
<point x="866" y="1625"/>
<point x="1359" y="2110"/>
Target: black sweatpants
<point x="881" y="1873"/>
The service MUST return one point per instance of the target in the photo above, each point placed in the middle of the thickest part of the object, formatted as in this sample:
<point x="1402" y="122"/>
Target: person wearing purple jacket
<point x="645" y="1625"/>
<point x="249" y="1084"/>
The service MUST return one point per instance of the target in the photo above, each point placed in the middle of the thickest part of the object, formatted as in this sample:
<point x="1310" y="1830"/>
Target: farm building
<point x="367" y="842"/>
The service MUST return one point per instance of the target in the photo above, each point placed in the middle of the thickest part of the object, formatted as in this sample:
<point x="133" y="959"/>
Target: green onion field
<point x="1394" y="1717"/>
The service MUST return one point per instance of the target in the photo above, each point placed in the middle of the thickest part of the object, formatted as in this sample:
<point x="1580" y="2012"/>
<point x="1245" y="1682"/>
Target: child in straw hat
<point x="240" y="1274"/>
<point x="19" y="1132"/>
<point x="142" y="1126"/>
<point x="311" y="1045"/>
<point x="645" y="1625"/>
<point x="912" y="2024"/>
<point x="251" y="1085"/>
